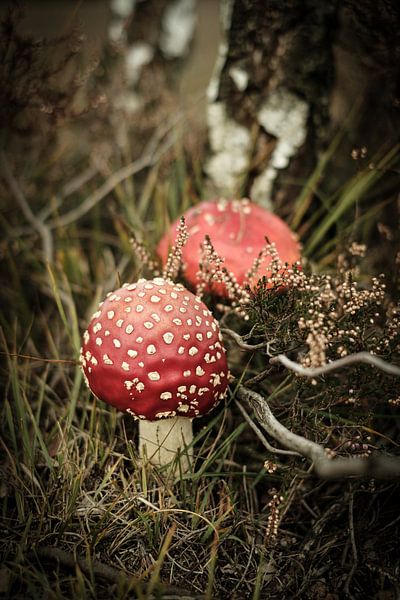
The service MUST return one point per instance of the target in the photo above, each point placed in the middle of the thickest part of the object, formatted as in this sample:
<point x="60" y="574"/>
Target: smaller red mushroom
<point x="237" y="229"/>
<point x="154" y="350"/>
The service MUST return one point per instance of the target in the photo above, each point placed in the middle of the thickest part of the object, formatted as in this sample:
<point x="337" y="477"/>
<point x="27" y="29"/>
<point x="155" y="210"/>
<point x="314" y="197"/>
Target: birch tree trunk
<point x="287" y="75"/>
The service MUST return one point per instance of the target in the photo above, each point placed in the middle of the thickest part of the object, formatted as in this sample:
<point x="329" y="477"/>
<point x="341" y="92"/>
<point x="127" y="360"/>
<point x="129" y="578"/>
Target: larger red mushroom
<point x="154" y="350"/>
<point x="237" y="229"/>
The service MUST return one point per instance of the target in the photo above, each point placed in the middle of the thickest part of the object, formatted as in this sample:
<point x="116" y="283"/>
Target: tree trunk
<point x="287" y="76"/>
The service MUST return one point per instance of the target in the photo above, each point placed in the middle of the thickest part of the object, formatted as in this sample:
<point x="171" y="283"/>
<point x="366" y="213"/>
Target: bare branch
<point x="359" y="357"/>
<point x="69" y="188"/>
<point x="239" y="341"/>
<point x="146" y="160"/>
<point x="374" y="467"/>
<point x="37" y="224"/>
<point x="261" y="436"/>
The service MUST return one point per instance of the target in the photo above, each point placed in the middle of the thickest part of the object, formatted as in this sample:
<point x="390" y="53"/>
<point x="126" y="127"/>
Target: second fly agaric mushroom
<point x="154" y="350"/>
<point x="237" y="229"/>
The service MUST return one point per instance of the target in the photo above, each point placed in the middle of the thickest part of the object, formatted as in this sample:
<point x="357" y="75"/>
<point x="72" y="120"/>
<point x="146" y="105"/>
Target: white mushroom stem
<point x="161" y="441"/>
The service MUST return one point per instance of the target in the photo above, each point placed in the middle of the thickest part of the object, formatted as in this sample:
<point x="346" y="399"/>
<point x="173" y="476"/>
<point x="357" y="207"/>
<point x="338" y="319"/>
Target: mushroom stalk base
<point x="161" y="441"/>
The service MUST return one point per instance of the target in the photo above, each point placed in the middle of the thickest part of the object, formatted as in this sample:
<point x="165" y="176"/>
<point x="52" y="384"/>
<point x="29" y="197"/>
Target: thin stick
<point x="353" y="545"/>
<point x="37" y="224"/>
<point x="358" y="357"/>
<point x="106" y="572"/>
<point x="146" y="160"/>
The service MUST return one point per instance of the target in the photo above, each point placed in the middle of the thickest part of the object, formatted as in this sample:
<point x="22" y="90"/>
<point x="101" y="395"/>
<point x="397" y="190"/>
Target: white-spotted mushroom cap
<point x="237" y="229"/>
<point x="154" y="349"/>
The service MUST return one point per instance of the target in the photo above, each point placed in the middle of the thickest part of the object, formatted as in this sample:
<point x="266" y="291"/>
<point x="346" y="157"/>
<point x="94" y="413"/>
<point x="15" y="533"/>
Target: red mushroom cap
<point x="154" y="349"/>
<point x="237" y="229"/>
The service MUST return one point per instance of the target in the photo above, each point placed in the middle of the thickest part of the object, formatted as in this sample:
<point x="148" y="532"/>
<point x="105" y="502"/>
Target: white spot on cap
<point x="148" y="286"/>
<point x="192" y="389"/>
<point x="116" y="343"/>
<point x="186" y="336"/>
<point x="174" y="295"/>
<point x="128" y="299"/>
<point x="110" y="314"/>
<point x="141" y="364"/>
<point x="106" y="332"/>
<point x="129" y="328"/>
<point x="202" y="390"/>
<point x="128" y="384"/>
<point x="177" y="321"/>
<point x="140" y="386"/>
<point x="125" y="366"/>
<point x="198" y="320"/>
<point x="97" y="327"/>
<point x="131" y="287"/>
<point x="86" y="337"/>
<point x="187" y="373"/>
<point x="183" y="408"/>
<point x="128" y="309"/>
<point x="155" y="298"/>
<point x="99" y="341"/>
<point x="182" y="388"/>
<point x="168" y="308"/>
<point x="119" y="323"/>
<point x="199" y="371"/>
<point x="141" y="294"/>
<point x="209" y="334"/>
<point x="93" y="360"/>
<point x="193" y="350"/>
<point x="139" y="339"/>
<point x="182" y="309"/>
<point x="215" y="379"/>
<point x="181" y="350"/>
<point x="107" y="360"/>
<point x="199" y="336"/>
<point x="153" y="376"/>
<point x="132" y="353"/>
<point x="96" y="314"/>
<point x="167" y="413"/>
<point x="139" y="307"/>
<point x="151" y="349"/>
<point x="148" y="324"/>
<point x="166" y="396"/>
<point x="168" y="337"/>
<point x="156" y="317"/>
<point x="189" y="321"/>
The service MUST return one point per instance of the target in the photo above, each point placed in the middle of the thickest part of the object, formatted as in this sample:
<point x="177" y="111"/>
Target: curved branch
<point x="359" y="357"/>
<point x="375" y="466"/>
<point x="239" y="341"/>
<point x="261" y="436"/>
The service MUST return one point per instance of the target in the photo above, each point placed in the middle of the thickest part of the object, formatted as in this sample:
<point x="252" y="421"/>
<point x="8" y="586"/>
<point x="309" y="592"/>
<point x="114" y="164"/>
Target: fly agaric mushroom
<point x="237" y="229"/>
<point x="154" y="350"/>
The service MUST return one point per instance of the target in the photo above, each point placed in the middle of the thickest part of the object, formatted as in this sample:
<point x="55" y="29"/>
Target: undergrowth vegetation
<point x="81" y="515"/>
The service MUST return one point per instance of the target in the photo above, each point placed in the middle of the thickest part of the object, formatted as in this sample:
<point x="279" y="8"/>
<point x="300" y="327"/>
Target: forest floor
<point x="81" y="515"/>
